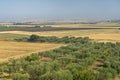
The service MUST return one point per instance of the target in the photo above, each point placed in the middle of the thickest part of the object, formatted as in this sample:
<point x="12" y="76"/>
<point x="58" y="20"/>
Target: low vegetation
<point x="104" y="35"/>
<point x="53" y="39"/>
<point x="72" y="62"/>
<point x="10" y="36"/>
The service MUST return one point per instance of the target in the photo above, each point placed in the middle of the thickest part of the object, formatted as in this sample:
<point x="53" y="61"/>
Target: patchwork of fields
<point x="17" y="49"/>
<point x="83" y="55"/>
<point x="104" y="35"/>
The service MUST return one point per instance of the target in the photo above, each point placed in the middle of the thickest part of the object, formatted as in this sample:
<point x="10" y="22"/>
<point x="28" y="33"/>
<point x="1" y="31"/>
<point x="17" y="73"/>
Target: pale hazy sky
<point x="20" y="10"/>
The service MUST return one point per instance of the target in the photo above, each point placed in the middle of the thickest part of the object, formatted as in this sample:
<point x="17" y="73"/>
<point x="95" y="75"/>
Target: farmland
<point x="35" y="29"/>
<point x="108" y="31"/>
<point x="104" y="35"/>
<point x="59" y="40"/>
<point x="10" y="49"/>
<point x="82" y="58"/>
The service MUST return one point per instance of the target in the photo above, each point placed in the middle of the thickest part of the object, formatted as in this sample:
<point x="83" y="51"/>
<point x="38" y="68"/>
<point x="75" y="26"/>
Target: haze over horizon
<point x="23" y="10"/>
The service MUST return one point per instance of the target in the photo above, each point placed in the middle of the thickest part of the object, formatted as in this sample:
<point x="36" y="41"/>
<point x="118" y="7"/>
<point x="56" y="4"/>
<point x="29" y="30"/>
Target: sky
<point x="21" y="10"/>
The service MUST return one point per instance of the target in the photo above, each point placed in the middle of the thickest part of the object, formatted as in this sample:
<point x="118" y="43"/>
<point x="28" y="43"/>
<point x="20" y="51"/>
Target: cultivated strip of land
<point x="103" y="35"/>
<point x="9" y="49"/>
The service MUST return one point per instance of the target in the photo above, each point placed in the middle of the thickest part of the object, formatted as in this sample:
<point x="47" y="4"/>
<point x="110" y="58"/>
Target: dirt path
<point x="117" y="77"/>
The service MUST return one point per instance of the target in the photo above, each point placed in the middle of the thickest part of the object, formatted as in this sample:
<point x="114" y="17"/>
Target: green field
<point x="10" y="36"/>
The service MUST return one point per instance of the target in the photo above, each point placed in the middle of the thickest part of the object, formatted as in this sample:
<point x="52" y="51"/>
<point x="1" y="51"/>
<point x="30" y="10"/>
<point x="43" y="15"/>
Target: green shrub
<point x="19" y="76"/>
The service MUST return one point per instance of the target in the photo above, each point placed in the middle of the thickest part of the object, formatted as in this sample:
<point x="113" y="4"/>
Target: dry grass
<point x="100" y="35"/>
<point x="105" y="35"/>
<point x="9" y="49"/>
<point x="98" y="25"/>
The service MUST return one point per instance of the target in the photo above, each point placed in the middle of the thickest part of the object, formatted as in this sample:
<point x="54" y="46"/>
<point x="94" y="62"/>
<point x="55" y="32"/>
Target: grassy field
<point x="97" y="25"/>
<point x="105" y="35"/>
<point x="9" y="36"/>
<point x="10" y="49"/>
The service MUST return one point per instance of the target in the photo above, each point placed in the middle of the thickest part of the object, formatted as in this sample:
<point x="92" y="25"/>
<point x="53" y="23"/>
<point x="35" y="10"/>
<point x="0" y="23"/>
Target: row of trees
<point x="54" y="39"/>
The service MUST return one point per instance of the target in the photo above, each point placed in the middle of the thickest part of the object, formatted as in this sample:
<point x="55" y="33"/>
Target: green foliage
<point x="3" y="79"/>
<point x="62" y="75"/>
<point x="66" y="39"/>
<point x="37" y="70"/>
<point x="33" y="38"/>
<point x="14" y="66"/>
<point x="10" y="36"/>
<point x="57" y="75"/>
<point x="72" y="62"/>
<point x="33" y="57"/>
<point x="84" y="75"/>
<point x="19" y="76"/>
<point x="106" y="74"/>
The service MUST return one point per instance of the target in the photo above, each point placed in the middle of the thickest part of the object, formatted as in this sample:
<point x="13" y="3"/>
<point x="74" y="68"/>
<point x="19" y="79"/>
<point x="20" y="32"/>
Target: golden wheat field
<point x="104" y="35"/>
<point x="10" y="49"/>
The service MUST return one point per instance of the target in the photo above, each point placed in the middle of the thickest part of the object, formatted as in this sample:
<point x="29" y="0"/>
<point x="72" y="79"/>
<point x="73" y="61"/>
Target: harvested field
<point x="105" y="35"/>
<point x="9" y="49"/>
